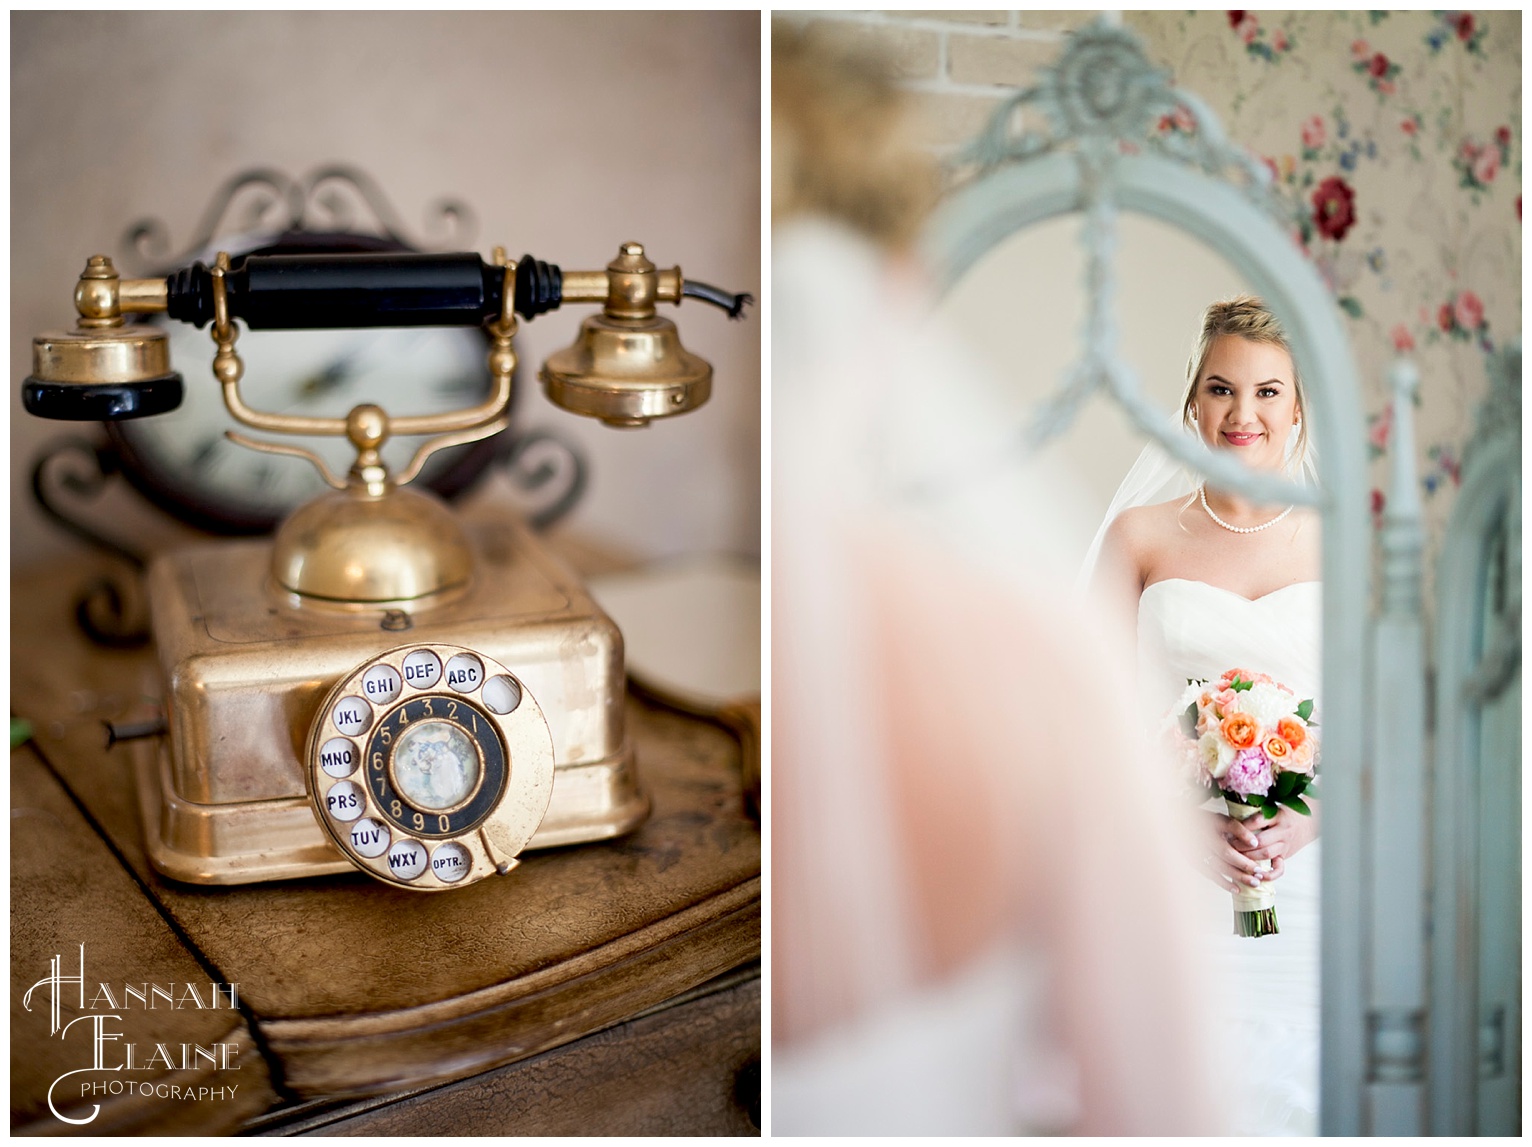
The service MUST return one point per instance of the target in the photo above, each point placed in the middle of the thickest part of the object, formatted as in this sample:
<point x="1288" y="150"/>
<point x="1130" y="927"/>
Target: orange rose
<point x="1303" y="758"/>
<point x="1291" y="730"/>
<point x="1241" y="730"/>
<point x="1279" y="751"/>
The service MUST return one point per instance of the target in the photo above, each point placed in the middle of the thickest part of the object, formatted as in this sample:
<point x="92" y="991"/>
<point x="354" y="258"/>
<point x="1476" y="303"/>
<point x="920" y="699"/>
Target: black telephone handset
<point x="381" y="685"/>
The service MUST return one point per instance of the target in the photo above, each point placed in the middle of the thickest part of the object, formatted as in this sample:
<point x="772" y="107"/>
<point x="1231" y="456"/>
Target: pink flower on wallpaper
<point x="1469" y="311"/>
<point x="1404" y="342"/>
<point x="1279" y="40"/>
<point x="1463" y="24"/>
<point x="1359" y="49"/>
<point x="1409" y="127"/>
<point x="1314" y="133"/>
<point x="1385" y="87"/>
<point x="1237" y="18"/>
<point x="1486" y="165"/>
<point x="1503" y="136"/>
<point x="1378" y="502"/>
<point x="1444" y="317"/>
<point x="1249" y="30"/>
<point x="1334" y="208"/>
<point x="1378" y="67"/>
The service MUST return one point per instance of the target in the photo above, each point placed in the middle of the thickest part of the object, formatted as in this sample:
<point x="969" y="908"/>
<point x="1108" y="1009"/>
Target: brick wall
<point x="959" y="65"/>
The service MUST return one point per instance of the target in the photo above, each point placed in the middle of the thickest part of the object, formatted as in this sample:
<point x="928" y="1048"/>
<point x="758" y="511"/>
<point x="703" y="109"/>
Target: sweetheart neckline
<point x="1230" y="592"/>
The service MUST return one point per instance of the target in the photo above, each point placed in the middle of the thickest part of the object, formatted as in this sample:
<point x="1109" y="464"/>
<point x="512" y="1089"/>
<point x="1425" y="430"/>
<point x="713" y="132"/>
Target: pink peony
<point x="1403" y="340"/>
<point x="1469" y="311"/>
<point x="1249" y="774"/>
<point x="1487" y="165"/>
<point x="1314" y="133"/>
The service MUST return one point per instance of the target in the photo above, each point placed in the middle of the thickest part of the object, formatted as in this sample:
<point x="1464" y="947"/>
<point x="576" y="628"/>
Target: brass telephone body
<point x="259" y="777"/>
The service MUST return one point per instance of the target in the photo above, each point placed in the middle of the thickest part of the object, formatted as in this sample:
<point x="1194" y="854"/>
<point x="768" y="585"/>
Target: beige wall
<point x="568" y="133"/>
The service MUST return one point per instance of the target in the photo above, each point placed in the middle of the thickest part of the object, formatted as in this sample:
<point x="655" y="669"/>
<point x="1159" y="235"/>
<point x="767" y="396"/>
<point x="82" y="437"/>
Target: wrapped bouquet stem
<point x="1255" y="909"/>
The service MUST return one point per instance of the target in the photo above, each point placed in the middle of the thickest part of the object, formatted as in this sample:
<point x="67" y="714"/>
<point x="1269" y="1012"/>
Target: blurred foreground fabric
<point x="980" y="919"/>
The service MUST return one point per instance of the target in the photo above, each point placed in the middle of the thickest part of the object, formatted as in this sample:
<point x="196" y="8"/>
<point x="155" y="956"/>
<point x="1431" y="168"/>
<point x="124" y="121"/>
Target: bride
<point x="1219" y="583"/>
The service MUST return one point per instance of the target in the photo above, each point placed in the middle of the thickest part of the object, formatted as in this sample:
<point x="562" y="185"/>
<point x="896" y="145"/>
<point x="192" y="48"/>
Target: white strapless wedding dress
<point x="1192" y="630"/>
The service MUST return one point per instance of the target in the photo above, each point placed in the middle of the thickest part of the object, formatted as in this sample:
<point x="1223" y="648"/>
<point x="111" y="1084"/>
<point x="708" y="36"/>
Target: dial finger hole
<point x="344" y="801"/>
<point x="381" y="684"/>
<point x="369" y="838"/>
<point x="422" y="669"/>
<point x="450" y="862"/>
<point x="501" y="694"/>
<point x="465" y="673"/>
<point x="352" y="716"/>
<point x="407" y="859"/>
<point x="338" y="757"/>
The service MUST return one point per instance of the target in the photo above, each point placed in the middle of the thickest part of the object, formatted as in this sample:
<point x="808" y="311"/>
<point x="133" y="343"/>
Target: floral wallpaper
<point x="1397" y="137"/>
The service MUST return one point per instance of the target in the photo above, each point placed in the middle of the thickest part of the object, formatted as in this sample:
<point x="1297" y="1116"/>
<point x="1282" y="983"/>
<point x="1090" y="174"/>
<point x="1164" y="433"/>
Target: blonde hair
<point x="1246" y="317"/>
<point x="842" y="137"/>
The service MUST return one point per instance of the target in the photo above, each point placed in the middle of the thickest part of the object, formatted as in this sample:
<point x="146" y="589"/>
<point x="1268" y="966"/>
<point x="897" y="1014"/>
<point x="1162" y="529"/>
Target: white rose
<point x="1266" y="703"/>
<point x="1215" y="754"/>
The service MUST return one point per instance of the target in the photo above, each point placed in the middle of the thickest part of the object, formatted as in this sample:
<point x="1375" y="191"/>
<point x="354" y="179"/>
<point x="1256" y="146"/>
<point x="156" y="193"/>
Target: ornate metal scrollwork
<point x="263" y="200"/>
<point x="1105" y="96"/>
<point x="102" y="608"/>
<point x="541" y="463"/>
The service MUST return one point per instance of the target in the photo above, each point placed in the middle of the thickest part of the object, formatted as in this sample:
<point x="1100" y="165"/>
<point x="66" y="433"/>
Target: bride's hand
<point x="1280" y="838"/>
<point x="1228" y="859"/>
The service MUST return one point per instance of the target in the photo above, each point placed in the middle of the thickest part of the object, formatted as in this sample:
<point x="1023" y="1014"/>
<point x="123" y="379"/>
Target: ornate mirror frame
<point x="1080" y="141"/>
<point x="1476" y="811"/>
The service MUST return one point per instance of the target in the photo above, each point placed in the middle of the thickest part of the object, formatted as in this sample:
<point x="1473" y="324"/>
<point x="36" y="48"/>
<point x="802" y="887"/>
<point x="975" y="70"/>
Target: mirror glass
<point x="1022" y="309"/>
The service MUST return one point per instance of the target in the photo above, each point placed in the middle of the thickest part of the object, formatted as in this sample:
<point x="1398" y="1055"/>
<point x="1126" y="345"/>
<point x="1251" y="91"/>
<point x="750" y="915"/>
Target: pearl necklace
<point x="1202" y="493"/>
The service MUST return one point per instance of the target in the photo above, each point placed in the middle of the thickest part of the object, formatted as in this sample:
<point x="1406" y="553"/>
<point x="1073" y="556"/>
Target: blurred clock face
<point x="192" y="469"/>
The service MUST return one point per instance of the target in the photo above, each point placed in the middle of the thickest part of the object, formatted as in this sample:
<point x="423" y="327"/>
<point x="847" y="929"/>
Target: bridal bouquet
<point x="1249" y="740"/>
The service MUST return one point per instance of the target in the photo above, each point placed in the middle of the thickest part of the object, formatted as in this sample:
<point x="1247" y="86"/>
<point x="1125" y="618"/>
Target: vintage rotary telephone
<point x="379" y="685"/>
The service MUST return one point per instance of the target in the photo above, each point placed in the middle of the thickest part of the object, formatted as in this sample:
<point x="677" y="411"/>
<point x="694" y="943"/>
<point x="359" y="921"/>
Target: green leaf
<point x="1287" y="785"/>
<point x="1297" y="805"/>
<point x="1241" y="686"/>
<point x="1268" y="807"/>
<point x="1350" y="305"/>
<point x="1189" y="721"/>
<point x="1305" y="709"/>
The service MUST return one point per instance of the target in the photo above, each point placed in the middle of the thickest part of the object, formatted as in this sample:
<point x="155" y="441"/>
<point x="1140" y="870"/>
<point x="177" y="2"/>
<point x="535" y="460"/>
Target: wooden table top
<point x="349" y="987"/>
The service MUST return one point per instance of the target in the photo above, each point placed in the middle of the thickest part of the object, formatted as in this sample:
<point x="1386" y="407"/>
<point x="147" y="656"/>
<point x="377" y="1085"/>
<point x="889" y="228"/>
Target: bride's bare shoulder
<point x="1143" y="525"/>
